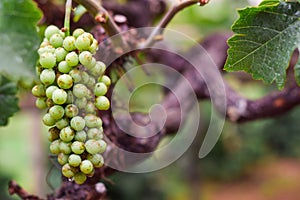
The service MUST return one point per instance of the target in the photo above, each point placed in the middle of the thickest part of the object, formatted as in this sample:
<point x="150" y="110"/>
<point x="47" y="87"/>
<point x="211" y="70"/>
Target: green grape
<point x="103" y="145"/>
<point x="100" y="89"/>
<point x="96" y="159"/>
<point x="62" y="123"/>
<point x="51" y="30"/>
<point x="77" y="123"/>
<point x="85" y="58"/>
<point x="88" y="35"/>
<point x="79" y="178"/>
<point x="48" y="120"/>
<point x="77" y="32"/>
<point x="56" y="112"/>
<point x="76" y="75"/>
<point x="44" y="43"/>
<point x="92" y="64"/>
<point x="67" y="171"/>
<point x="102" y="103"/>
<point x="81" y="103"/>
<point x="65" y="147"/>
<point x="71" y="110"/>
<point x="106" y="80"/>
<point x="92" y="121"/>
<point x="91" y="83"/>
<point x="56" y="40"/>
<point x="92" y="146"/>
<point x="80" y="90"/>
<point x="78" y="147"/>
<point x="46" y="49"/>
<point x="48" y="60"/>
<point x="62" y="158"/>
<point x="67" y="134"/>
<point x="85" y="77"/>
<point x="59" y="96"/>
<point x="80" y="136"/>
<point x="53" y="134"/>
<point x="69" y="43"/>
<point x="72" y="59"/>
<point x="90" y="108"/>
<point x="94" y="46"/>
<point x="95" y="133"/>
<point x="98" y="69"/>
<point x="63" y="67"/>
<point x="83" y="42"/>
<point x="40" y="103"/>
<point x="49" y="103"/>
<point x="50" y="90"/>
<point x="55" y="147"/>
<point x="38" y="91"/>
<point x="70" y="97"/>
<point x="60" y="54"/>
<point x="47" y="76"/>
<point x="86" y="166"/>
<point x="74" y="160"/>
<point x="65" y="81"/>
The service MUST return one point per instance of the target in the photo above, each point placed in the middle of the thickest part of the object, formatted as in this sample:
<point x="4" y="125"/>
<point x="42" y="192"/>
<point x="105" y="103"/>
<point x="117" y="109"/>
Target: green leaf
<point x="8" y="100"/>
<point x="18" y="37"/>
<point x="265" y="38"/>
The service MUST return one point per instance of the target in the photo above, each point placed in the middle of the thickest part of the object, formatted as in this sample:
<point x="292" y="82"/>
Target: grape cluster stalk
<point x="72" y="88"/>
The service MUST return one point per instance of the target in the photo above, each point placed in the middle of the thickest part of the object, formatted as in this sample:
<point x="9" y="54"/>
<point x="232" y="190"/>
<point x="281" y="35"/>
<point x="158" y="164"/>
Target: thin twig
<point x="67" y="17"/>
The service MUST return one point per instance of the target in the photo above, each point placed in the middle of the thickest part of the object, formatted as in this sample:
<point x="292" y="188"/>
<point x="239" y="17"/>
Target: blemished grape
<point x="74" y="160"/>
<point x="86" y="167"/>
<point x="79" y="178"/>
<point x="72" y="87"/>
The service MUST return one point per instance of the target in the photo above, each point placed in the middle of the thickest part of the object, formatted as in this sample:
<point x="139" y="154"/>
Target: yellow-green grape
<point x="103" y="145"/>
<point x="56" y="40"/>
<point x="72" y="59"/>
<point x="48" y="120"/>
<point x="62" y="158"/>
<point x="94" y="46"/>
<point x="80" y="136"/>
<point x="55" y="147"/>
<point x="95" y="133"/>
<point x="77" y="123"/>
<point x="62" y="123"/>
<point x="59" y="96"/>
<point x="96" y="159"/>
<point x="92" y="146"/>
<point x="56" y="112"/>
<point x="102" y="103"/>
<point x="76" y="75"/>
<point x="60" y="54"/>
<point x="85" y="58"/>
<point x="50" y="90"/>
<point x="100" y="89"/>
<point x="83" y="42"/>
<point x="81" y="103"/>
<point x="41" y="103"/>
<point x="69" y="43"/>
<point x="48" y="60"/>
<point x="98" y="69"/>
<point x="106" y="80"/>
<point x="71" y="110"/>
<point x="79" y="178"/>
<point x="67" y="134"/>
<point x="90" y="108"/>
<point x="77" y="32"/>
<point x="80" y="90"/>
<point x="74" y="160"/>
<point x="92" y="64"/>
<point x="47" y="76"/>
<point x="67" y="171"/>
<point x="65" y="147"/>
<point x="38" y="91"/>
<point x="65" y="81"/>
<point x="78" y="147"/>
<point x="86" y="167"/>
<point x="51" y="30"/>
<point x="92" y="121"/>
<point x="63" y="67"/>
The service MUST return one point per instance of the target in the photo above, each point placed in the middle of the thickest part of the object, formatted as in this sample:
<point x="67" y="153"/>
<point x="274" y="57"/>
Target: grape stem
<point x="67" y="17"/>
<point x="157" y="33"/>
<point x="102" y="16"/>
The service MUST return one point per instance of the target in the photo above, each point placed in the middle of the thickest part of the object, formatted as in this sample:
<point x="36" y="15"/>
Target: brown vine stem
<point x="102" y="16"/>
<point x="156" y="34"/>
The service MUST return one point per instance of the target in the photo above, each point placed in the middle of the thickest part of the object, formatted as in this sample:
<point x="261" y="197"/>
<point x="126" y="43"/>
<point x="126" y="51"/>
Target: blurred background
<point x="255" y="160"/>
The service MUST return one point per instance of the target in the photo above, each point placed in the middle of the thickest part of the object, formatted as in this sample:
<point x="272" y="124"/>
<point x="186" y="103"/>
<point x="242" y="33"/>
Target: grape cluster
<point x="72" y="89"/>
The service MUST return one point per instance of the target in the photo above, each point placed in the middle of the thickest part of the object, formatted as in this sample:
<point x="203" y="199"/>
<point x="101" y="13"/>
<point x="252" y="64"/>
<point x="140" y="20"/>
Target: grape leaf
<point x="18" y="37"/>
<point x="265" y="38"/>
<point x="8" y="100"/>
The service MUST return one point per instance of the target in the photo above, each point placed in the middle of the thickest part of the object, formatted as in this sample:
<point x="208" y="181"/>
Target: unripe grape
<point x="83" y="42"/>
<point x="102" y="103"/>
<point x="53" y="134"/>
<point x="80" y="136"/>
<point x="98" y="69"/>
<point x="91" y="83"/>
<point x="67" y="134"/>
<point x="106" y="80"/>
<point x="50" y="90"/>
<point x="95" y="133"/>
<point x="79" y="178"/>
<point x="62" y="158"/>
<point x="63" y="67"/>
<point x="76" y="75"/>
<point x="86" y="167"/>
<point x="69" y="43"/>
<point x="85" y="77"/>
<point x="65" y="81"/>
<point x="67" y="171"/>
<point x="48" y="60"/>
<point x="46" y="49"/>
<point x="92" y="64"/>
<point x="71" y="110"/>
<point x="59" y="96"/>
<point x="51" y="30"/>
<point x="90" y="108"/>
<point x="103" y="145"/>
<point x="100" y="89"/>
<point x="44" y="43"/>
<point x="55" y="147"/>
<point x="40" y="103"/>
<point x="62" y="123"/>
<point x="38" y="91"/>
<point x="96" y="159"/>
<point x="85" y="58"/>
<point x="80" y="90"/>
<point x="77" y="123"/>
<point x="72" y="59"/>
<point x="70" y="97"/>
<point x="78" y="147"/>
<point x="92" y="121"/>
<point x="81" y="103"/>
<point x="47" y="76"/>
<point x="60" y="54"/>
<point x="56" y="112"/>
<point x="94" y="46"/>
<point x="48" y="120"/>
<point x="65" y="147"/>
<point x="92" y="146"/>
<point x="49" y="103"/>
<point x="74" y="160"/>
<point x="77" y="32"/>
<point x="56" y="40"/>
<point x="88" y="35"/>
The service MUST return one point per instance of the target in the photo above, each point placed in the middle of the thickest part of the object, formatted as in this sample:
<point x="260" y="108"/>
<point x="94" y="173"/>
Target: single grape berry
<point x="56" y="112"/>
<point x="100" y="89"/>
<point x="80" y="136"/>
<point x="38" y="91"/>
<point x="86" y="167"/>
<point x="76" y="75"/>
<point x="51" y="30"/>
<point x="67" y="134"/>
<point x="65" y="147"/>
<point x="67" y="171"/>
<point x="78" y="147"/>
<point x="96" y="159"/>
<point x="41" y="103"/>
<point x="53" y="134"/>
<point x="62" y="158"/>
<point x="48" y="60"/>
<point x="77" y="32"/>
<point x="79" y="178"/>
<point x="48" y="120"/>
<point x="102" y="103"/>
<point x="56" y="40"/>
<point x="63" y="67"/>
<point x="47" y="76"/>
<point x="85" y="58"/>
<point x="83" y="42"/>
<point x="50" y="90"/>
<point x="69" y="43"/>
<point x="65" y="81"/>
<point x="71" y="110"/>
<point x="77" y="123"/>
<point x="72" y="59"/>
<point x="95" y="133"/>
<point x="74" y="160"/>
<point x="106" y="80"/>
<point x="92" y="121"/>
<point x="80" y="90"/>
<point x="62" y="123"/>
<point x="60" y="54"/>
<point x="59" y="96"/>
<point x="55" y="147"/>
<point x="103" y="145"/>
<point x="92" y="146"/>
